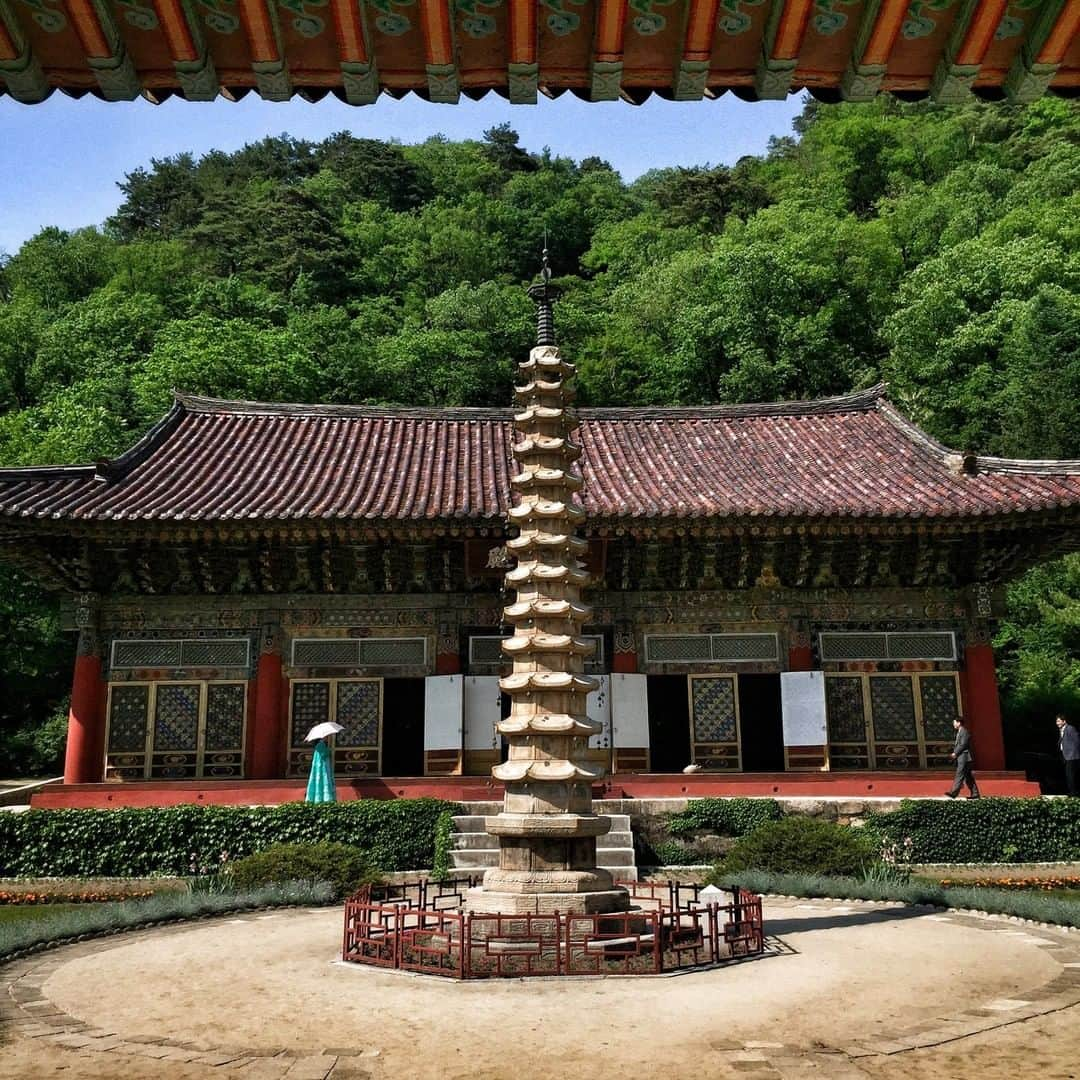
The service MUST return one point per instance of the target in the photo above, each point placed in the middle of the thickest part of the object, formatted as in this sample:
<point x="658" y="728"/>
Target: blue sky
<point x="62" y="158"/>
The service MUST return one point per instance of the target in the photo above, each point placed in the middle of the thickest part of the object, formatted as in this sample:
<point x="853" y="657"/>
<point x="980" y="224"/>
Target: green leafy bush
<point x="725" y="817"/>
<point x="394" y="834"/>
<point x="341" y="866"/>
<point x="444" y="836"/>
<point x="988" y="830"/>
<point x="802" y="845"/>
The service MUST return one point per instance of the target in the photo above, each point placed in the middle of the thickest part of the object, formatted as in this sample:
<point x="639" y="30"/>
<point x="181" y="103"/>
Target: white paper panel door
<point x="483" y="710"/>
<point x="630" y="710"/>
<point x="443" y="712"/>
<point x="598" y="708"/>
<point x="802" y="700"/>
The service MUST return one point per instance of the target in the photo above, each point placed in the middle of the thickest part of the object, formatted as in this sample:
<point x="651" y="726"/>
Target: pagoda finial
<point x="544" y="295"/>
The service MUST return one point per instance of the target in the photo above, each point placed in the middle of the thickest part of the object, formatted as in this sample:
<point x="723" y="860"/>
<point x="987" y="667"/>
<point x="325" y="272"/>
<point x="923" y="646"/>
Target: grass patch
<point x="61" y="923"/>
<point x="1037" y="906"/>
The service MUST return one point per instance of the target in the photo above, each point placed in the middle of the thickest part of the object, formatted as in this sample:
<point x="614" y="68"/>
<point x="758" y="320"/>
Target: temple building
<point x="784" y="595"/>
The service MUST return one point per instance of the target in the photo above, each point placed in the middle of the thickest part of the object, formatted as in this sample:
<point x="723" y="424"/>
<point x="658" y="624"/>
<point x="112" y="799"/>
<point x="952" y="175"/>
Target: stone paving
<point x="28" y="1014"/>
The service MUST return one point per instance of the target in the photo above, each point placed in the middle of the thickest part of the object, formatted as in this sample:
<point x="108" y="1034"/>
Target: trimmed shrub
<point x="444" y="840"/>
<point x="725" y="817"/>
<point x="1034" y="906"/>
<point x="800" y="845"/>
<point x="394" y="834"/>
<point x="342" y="867"/>
<point x="92" y="919"/>
<point x="986" y="830"/>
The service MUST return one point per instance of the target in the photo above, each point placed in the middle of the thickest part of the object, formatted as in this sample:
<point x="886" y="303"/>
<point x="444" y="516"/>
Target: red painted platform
<point x="475" y="788"/>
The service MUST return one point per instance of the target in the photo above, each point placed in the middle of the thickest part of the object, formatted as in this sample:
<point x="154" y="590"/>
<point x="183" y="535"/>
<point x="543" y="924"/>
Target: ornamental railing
<point x="420" y="927"/>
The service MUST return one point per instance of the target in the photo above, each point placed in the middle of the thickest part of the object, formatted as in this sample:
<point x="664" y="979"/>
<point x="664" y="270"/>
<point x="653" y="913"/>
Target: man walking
<point x="1070" y="751"/>
<point x="961" y="754"/>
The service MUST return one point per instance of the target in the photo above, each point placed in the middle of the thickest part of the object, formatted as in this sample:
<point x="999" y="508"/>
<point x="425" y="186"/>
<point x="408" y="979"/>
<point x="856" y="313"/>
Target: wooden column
<point x="983" y="709"/>
<point x="800" y="658"/>
<point x="625" y="659"/>
<point x="266" y="737"/>
<point x="85" y="754"/>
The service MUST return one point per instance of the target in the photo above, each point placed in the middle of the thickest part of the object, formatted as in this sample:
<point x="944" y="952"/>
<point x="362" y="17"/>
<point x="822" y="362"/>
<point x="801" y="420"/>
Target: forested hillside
<point x="936" y="248"/>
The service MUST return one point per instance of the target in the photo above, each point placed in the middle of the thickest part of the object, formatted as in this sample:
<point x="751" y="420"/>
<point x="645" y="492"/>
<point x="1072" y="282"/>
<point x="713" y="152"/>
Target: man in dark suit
<point x="961" y="754"/>
<point x="1070" y="751"/>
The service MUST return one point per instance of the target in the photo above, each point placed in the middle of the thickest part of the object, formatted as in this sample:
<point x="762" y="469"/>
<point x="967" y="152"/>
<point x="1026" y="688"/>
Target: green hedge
<point x="984" y="830"/>
<point x="725" y="817"/>
<point x="394" y="834"/>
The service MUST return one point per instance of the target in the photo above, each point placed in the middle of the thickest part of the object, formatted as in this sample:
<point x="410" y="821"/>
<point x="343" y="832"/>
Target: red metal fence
<point x="420" y="927"/>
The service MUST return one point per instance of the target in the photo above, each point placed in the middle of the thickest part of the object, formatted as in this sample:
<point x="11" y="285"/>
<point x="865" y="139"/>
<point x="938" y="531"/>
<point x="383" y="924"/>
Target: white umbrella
<point x="321" y="731"/>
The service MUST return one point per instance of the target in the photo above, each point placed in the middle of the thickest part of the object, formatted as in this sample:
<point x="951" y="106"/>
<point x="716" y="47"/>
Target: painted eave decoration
<point x="598" y="49"/>
<point x="245" y="463"/>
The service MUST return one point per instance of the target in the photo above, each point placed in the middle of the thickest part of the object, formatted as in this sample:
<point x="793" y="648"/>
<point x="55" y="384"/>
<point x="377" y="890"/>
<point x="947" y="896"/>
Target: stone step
<point x="620" y="823"/>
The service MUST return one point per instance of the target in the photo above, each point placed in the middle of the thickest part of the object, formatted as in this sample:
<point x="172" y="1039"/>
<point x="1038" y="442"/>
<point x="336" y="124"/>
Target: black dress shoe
<point x="975" y="796"/>
<point x="950" y="794"/>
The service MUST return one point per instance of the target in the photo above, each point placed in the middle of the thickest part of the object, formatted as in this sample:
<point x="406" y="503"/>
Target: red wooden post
<point x="625" y="660"/>
<point x="983" y="712"/>
<point x="266" y="729"/>
<point x="800" y="658"/>
<point x="84" y="758"/>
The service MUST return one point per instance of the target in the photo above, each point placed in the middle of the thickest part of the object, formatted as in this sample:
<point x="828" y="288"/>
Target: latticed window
<point x="359" y="652"/>
<point x="181" y="653"/>
<point x="176" y="730"/>
<point x="710" y="648"/>
<point x="892" y="645"/>
<point x="355" y="704"/>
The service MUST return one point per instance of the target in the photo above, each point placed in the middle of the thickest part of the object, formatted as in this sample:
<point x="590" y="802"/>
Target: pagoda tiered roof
<point x="598" y="49"/>
<point x="249" y="464"/>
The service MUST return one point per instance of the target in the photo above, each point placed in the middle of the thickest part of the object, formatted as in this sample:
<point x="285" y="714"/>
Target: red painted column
<point x="84" y="758"/>
<point x="447" y="653"/>
<point x="625" y="659"/>
<point x="800" y="658"/>
<point x="983" y="713"/>
<point x="266" y="736"/>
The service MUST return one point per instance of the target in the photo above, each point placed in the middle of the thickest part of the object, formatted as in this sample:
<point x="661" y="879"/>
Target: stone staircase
<point x="474" y="851"/>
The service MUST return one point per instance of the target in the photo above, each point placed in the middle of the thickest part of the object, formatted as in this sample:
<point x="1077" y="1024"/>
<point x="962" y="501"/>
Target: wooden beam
<point x="359" y="74"/>
<point x="440" y="63"/>
<point x="267" y="57"/>
<point x="605" y="71"/>
<point x="104" y="50"/>
<point x="191" y="60"/>
<point x="20" y="71"/>
<point x="968" y="44"/>
<point x="523" y="67"/>
<point x="692" y="71"/>
<point x="874" y="43"/>
<point x="781" y="46"/>
<point x="1040" y="56"/>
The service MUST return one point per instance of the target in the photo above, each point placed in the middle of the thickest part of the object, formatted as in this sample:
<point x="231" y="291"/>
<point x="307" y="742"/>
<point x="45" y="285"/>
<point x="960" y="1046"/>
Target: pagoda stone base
<point x="483" y="902"/>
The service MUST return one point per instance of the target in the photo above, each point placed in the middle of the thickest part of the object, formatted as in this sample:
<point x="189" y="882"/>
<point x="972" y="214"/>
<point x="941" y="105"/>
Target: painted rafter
<point x="259" y="21"/>
<point x="187" y="47"/>
<point x="606" y="67"/>
<point x="440" y="62"/>
<point x="19" y="68"/>
<point x="359" y="74"/>
<point x="523" y="68"/>
<point x="1040" y="57"/>
<point x="969" y="42"/>
<point x="881" y="24"/>
<point x="692" y="68"/>
<point x="104" y="50"/>
<point x="781" y="46"/>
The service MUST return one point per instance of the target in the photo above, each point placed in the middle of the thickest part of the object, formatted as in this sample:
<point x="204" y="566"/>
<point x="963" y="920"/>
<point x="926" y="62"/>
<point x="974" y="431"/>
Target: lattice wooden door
<point x="714" y="722"/>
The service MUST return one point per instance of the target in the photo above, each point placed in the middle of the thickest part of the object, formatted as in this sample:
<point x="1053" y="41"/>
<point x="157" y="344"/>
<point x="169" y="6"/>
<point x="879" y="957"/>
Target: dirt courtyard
<point x="848" y="990"/>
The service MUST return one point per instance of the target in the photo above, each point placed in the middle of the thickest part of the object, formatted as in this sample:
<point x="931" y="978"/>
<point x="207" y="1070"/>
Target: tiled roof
<point x="852" y="456"/>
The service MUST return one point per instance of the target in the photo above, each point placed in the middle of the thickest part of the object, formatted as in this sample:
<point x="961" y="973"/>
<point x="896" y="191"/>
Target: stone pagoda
<point x="547" y="829"/>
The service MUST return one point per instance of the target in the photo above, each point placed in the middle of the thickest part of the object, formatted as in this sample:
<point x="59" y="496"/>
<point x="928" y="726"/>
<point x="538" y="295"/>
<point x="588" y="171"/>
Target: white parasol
<point x="321" y="731"/>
